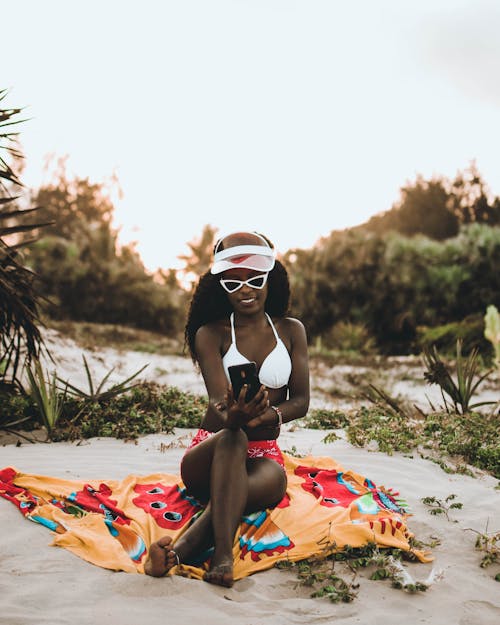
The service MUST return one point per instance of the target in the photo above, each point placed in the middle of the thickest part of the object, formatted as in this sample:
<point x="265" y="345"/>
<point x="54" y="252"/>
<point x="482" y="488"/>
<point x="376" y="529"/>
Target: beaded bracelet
<point x="279" y="414"/>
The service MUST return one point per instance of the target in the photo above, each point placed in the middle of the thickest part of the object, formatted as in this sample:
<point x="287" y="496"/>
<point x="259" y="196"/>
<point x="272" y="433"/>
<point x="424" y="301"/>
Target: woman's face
<point x="246" y="299"/>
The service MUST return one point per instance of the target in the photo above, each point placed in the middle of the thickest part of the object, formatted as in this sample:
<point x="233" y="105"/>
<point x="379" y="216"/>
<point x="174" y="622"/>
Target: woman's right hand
<point x="240" y="412"/>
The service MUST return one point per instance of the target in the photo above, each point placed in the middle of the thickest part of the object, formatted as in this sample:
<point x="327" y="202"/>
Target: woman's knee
<point x="267" y="483"/>
<point x="234" y="439"/>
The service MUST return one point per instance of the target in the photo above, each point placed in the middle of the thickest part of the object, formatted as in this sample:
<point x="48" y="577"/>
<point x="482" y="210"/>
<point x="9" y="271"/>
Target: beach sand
<point x="44" y="584"/>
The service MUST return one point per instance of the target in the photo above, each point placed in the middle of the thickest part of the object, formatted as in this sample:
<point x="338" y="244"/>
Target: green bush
<point x="147" y="408"/>
<point x="17" y="411"/>
<point x="393" y="284"/>
<point x="349" y="337"/>
<point x="470" y="331"/>
<point x="474" y="436"/>
<point x="389" y="430"/>
<point x="324" y="419"/>
<point x="87" y="287"/>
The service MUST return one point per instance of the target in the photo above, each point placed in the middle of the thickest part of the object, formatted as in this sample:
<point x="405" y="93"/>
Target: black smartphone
<point x="246" y="373"/>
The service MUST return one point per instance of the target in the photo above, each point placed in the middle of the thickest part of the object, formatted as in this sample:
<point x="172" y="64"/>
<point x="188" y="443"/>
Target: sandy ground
<point x="43" y="584"/>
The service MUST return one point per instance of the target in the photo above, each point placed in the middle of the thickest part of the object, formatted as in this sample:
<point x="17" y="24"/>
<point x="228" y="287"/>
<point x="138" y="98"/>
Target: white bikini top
<point x="277" y="366"/>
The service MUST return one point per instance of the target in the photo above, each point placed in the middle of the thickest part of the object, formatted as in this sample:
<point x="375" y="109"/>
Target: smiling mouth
<point x="248" y="300"/>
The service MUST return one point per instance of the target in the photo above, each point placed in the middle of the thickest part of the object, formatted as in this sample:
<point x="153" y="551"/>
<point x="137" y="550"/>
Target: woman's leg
<point x="266" y="486"/>
<point x="218" y="470"/>
<point x="228" y="497"/>
<point x="196" y="469"/>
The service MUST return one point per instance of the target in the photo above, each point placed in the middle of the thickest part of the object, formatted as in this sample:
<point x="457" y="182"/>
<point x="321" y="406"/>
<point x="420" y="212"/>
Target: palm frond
<point x="20" y="338"/>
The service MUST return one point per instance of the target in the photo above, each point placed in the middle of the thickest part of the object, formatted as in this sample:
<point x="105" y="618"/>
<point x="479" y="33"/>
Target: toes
<point x="172" y="559"/>
<point x="165" y="542"/>
<point x="161" y="557"/>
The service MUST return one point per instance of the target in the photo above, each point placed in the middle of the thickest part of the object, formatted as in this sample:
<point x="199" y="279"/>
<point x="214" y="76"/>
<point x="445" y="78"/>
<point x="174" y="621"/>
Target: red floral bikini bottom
<point x="256" y="449"/>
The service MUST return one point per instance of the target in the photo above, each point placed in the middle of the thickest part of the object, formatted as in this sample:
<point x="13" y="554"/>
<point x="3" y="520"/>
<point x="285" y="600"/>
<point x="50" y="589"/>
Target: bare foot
<point x="221" y="574"/>
<point x="161" y="558"/>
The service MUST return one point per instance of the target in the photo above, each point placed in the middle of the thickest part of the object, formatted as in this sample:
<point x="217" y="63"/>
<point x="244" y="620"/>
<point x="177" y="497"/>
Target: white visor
<point x="256" y="257"/>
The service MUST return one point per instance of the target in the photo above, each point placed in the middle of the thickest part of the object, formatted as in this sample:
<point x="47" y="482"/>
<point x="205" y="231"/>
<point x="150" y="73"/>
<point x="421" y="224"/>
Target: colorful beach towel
<point x="113" y="523"/>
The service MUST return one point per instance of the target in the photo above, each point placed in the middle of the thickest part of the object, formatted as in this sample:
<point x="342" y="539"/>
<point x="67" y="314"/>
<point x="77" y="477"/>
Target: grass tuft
<point x="321" y="574"/>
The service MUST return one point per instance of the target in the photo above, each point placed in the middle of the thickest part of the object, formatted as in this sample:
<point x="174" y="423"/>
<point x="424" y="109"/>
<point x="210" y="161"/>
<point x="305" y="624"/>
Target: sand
<point x="44" y="584"/>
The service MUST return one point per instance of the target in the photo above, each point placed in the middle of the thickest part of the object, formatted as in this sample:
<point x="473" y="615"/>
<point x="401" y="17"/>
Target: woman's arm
<point x="208" y="347"/>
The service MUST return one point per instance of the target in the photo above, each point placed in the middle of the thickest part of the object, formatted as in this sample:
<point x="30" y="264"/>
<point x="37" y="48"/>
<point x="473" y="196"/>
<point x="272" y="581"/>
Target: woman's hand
<point x="239" y="412"/>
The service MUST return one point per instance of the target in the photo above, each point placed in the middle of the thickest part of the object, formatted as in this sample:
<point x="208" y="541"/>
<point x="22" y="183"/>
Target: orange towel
<point x="113" y="523"/>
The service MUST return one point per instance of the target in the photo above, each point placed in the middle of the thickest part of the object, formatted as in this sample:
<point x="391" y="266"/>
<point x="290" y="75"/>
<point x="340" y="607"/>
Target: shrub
<point x="470" y="331"/>
<point x="394" y="284"/>
<point x="349" y="337"/>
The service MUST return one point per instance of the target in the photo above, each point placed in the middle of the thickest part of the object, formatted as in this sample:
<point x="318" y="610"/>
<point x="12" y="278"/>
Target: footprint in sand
<point x="482" y="612"/>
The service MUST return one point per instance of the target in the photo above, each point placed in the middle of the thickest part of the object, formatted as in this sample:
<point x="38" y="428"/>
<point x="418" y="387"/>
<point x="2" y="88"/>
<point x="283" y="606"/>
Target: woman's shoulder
<point x="212" y="331"/>
<point x="292" y="326"/>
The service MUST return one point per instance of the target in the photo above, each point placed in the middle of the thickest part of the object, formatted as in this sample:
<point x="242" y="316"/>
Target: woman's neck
<point x="250" y="319"/>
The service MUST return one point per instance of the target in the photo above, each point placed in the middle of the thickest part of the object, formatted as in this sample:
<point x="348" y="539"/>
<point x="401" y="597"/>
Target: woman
<point x="234" y="464"/>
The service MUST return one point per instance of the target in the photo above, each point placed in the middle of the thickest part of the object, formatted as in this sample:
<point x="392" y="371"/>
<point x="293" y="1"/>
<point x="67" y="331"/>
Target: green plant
<point x="461" y="391"/>
<point x="447" y="438"/>
<point x="319" y="573"/>
<point x="20" y="338"/>
<point x="392" y="283"/>
<point x="322" y="418"/>
<point x="473" y="436"/>
<point x="379" y="396"/>
<point x="16" y="409"/>
<point x="293" y="451"/>
<point x="437" y="506"/>
<point x="96" y="393"/>
<point x="492" y="331"/>
<point x="146" y="408"/>
<point x="185" y="409"/>
<point x="84" y="271"/>
<point x="46" y="394"/>
<point x="389" y="429"/>
<point x="444" y="336"/>
<point x="416" y="543"/>
<point x="350" y="337"/>
<point x="489" y="545"/>
<point x="447" y="467"/>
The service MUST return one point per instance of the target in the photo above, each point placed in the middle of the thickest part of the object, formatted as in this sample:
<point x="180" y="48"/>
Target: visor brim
<point x="253" y="261"/>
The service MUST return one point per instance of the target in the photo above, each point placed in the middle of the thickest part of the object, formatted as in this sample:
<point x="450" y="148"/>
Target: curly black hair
<point x="210" y="303"/>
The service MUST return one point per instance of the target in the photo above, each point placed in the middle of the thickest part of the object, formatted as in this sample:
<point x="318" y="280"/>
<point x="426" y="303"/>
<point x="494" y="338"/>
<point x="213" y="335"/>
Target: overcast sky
<point x="294" y="118"/>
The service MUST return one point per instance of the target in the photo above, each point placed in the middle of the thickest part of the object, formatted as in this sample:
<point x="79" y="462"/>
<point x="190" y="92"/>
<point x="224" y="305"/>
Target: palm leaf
<point x="96" y="392"/>
<point x="20" y="338"/>
<point x="46" y="395"/>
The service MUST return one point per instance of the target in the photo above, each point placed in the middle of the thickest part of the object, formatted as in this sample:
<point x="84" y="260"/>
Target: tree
<point x="20" y="338"/>
<point x="438" y="207"/>
<point x="87" y="274"/>
<point x="472" y="202"/>
<point x="198" y="261"/>
<point x="425" y="207"/>
<point x="77" y="207"/>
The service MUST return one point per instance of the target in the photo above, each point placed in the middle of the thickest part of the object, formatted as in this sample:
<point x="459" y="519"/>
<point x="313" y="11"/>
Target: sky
<point x="290" y="117"/>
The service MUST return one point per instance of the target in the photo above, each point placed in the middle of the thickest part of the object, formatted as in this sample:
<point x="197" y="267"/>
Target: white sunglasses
<point x="231" y="285"/>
